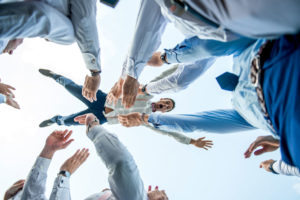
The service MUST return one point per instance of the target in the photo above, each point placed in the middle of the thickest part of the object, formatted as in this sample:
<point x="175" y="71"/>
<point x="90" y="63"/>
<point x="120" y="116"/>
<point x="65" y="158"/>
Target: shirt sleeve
<point x="147" y="37"/>
<point x="124" y="177"/>
<point x="61" y="189"/>
<point x="192" y="49"/>
<point x="177" y="136"/>
<point x="181" y="78"/>
<point x="282" y="168"/>
<point x="2" y="98"/>
<point x="83" y="16"/>
<point x="35" y="19"/>
<point x="35" y="184"/>
<point x="217" y="121"/>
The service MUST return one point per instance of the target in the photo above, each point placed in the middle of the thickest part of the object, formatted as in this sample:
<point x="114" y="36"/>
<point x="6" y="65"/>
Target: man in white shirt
<point x="105" y="112"/>
<point x="59" y="21"/>
<point x="35" y="185"/>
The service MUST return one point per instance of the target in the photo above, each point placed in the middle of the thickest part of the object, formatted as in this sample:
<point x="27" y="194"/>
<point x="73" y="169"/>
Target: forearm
<point x="180" y="79"/>
<point x="281" y="167"/>
<point x="108" y="146"/>
<point x="147" y="37"/>
<point x="83" y="16"/>
<point x="35" y="184"/>
<point x="218" y="121"/>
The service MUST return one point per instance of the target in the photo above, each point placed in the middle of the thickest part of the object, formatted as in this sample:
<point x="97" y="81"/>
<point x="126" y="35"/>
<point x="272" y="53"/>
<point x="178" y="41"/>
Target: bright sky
<point x="185" y="172"/>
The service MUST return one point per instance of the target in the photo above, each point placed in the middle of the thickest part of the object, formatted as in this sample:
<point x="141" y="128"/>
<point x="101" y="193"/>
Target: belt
<point x="256" y="75"/>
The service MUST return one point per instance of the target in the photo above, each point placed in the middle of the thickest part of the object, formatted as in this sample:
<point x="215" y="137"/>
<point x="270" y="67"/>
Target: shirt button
<point x="93" y="61"/>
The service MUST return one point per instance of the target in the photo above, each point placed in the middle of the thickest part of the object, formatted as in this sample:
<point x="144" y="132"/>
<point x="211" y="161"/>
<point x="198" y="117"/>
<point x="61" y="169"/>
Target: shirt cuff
<point x="153" y="119"/>
<point x="2" y="98"/>
<point x="42" y="164"/>
<point x="62" y="181"/>
<point x="96" y="131"/>
<point x="171" y="56"/>
<point x="92" y="63"/>
<point x="134" y="69"/>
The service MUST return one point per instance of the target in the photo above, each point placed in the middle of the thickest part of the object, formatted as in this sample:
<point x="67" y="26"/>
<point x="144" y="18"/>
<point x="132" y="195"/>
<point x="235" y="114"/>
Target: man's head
<point x="156" y="194"/>
<point x="163" y="105"/>
<point x="12" y="45"/>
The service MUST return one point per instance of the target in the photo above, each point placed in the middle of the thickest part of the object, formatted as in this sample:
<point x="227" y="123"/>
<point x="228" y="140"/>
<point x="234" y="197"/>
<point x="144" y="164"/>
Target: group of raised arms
<point x="262" y="38"/>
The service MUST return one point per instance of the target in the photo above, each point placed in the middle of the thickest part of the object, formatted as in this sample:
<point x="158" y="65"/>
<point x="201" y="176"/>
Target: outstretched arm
<point x="35" y="184"/>
<point x="124" y="177"/>
<point x="180" y="79"/>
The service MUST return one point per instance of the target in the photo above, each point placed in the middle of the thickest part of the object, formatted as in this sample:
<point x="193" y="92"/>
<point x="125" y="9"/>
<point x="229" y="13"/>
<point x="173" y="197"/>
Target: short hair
<point x="173" y="104"/>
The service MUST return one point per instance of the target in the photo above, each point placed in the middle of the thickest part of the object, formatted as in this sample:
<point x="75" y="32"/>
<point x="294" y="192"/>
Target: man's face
<point x="12" y="45"/>
<point x="164" y="105"/>
<point x="157" y="195"/>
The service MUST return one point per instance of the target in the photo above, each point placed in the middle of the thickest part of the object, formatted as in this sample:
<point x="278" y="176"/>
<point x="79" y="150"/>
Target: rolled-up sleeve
<point x="124" y="178"/>
<point x="35" y="184"/>
<point x="83" y="16"/>
<point x="147" y="37"/>
<point x="282" y="168"/>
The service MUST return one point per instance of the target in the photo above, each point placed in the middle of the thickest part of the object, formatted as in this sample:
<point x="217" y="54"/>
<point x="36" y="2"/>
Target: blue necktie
<point x="228" y="81"/>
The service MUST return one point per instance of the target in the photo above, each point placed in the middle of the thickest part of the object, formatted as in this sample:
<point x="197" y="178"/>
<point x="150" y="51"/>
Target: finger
<point x="149" y="188"/>
<point x="67" y="143"/>
<point x="156" y="187"/>
<point x="259" y="151"/>
<point x="68" y="135"/>
<point x="10" y="87"/>
<point x="19" y="181"/>
<point x="94" y="96"/>
<point x="80" y="119"/>
<point x="205" y="148"/>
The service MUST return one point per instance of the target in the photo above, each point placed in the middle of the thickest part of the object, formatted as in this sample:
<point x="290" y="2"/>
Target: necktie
<point x="228" y="81"/>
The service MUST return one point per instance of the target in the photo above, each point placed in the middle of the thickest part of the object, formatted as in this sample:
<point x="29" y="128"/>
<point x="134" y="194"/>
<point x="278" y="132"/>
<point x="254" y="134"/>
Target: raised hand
<point x="132" y="119"/>
<point x="89" y="120"/>
<point x="56" y="141"/>
<point x="268" y="144"/>
<point x="130" y="90"/>
<point x="90" y="87"/>
<point x="115" y="92"/>
<point x="74" y="162"/>
<point x="6" y="90"/>
<point x="12" y="45"/>
<point x="201" y="143"/>
<point x="14" y="189"/>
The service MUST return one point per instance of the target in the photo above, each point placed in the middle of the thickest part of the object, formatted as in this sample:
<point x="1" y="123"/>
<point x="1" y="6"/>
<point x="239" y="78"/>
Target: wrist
<point x="271" y="168"/>
<point x="192" y="141"/>
<point x="64" y="172"/>
<point x="95" y="72"/>
<point x="47" y="153"/>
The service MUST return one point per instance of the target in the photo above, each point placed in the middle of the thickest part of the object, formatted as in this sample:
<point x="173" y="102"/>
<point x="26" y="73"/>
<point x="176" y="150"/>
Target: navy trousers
<point x="97" y="107"/>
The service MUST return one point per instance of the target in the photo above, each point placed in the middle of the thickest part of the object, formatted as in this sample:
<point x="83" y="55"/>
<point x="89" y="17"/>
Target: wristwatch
<point x="163" y="58"/>
<point x="64" y="173"/>
<point x="93" y="73"/>
<point x="144" y="89"/>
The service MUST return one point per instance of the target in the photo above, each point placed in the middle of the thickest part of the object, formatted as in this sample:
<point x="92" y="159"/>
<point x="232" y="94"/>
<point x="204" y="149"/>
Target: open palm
<point x="58" y="140"/>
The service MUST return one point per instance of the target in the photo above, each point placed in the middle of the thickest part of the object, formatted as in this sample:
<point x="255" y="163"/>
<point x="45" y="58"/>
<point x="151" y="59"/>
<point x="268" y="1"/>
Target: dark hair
<point x="173" y="104"/>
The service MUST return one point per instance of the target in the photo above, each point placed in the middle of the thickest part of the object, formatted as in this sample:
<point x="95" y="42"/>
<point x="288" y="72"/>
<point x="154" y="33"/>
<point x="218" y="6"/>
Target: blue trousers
<point x="281" y="86"/>
<point x="97" y="107"/>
